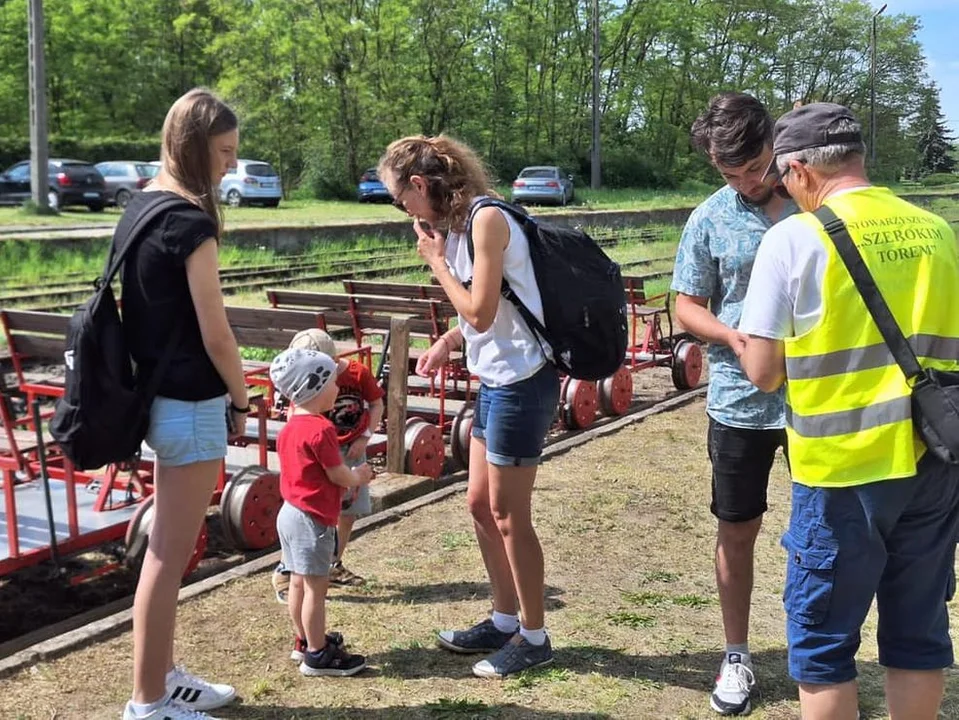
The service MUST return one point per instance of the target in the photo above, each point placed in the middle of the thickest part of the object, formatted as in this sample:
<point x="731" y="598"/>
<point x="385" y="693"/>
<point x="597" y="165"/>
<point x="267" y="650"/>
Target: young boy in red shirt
<point x="357" y="411"/>
<point x="312" y="479"/>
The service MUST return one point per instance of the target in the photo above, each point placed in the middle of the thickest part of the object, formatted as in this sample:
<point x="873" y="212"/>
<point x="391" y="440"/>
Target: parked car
<point x="542" y="183"/>
<point x="72" y="182"/>
<point x="251" y="182"/>
<point x="123" y="178"/>
<point x="371" y="188"/>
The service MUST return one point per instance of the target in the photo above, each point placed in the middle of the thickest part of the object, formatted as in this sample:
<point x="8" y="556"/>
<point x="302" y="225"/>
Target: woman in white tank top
<point x="437" y="181"/>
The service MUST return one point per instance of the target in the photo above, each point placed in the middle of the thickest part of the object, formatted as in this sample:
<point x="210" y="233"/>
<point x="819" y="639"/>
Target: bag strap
<point x="528" y="224"/>
<point x="875" y="303"/>
<point x="156" y="205"/>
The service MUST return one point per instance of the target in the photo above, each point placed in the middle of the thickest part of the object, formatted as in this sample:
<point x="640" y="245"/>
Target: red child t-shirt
<point x="357" y="387"/>
<point x="306" y="446"/>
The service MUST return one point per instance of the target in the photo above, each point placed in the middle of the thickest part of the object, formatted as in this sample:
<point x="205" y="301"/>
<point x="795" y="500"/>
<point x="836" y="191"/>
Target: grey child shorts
<point x="307" y="544"/>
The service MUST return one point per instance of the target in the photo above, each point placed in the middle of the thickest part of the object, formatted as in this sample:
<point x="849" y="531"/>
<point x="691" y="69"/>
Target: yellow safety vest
<point x="848" y="413"/>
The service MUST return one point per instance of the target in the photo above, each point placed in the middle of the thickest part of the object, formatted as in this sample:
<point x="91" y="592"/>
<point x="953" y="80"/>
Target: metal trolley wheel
<point x="248" y="508"/>
<point x="138" y="538"/>
<point x="616" y="392"/>
<point x="425" y="450"/>
<point x="579" y="402"/>
<point x="687" y="364"/>
<point x="460" y="434"/>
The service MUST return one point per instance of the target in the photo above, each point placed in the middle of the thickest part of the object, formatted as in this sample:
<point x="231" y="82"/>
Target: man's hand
<point x="737" y="341"/>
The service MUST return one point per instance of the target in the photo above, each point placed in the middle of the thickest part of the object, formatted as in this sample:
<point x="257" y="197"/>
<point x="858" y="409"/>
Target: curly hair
<point x="455" y="174"/>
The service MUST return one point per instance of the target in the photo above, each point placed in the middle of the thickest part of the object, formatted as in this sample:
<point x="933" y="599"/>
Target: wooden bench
<point x="412" y="291"/>
<point x="368" y="314"/>
<point x="34" y="336"/>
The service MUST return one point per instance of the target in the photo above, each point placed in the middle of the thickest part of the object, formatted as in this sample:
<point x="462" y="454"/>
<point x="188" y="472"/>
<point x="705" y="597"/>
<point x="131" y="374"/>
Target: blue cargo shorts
<point x="894" y="540"/>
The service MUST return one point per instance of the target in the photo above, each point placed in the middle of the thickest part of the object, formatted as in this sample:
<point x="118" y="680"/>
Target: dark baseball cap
<point x="810" y="126"/>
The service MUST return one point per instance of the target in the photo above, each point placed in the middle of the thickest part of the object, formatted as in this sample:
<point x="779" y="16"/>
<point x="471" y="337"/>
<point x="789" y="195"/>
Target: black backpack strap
<point x="528" y="225"/>
<point x="159" y="204"/>
<point x="875" y="303"/>
<point x="133" y="234"/>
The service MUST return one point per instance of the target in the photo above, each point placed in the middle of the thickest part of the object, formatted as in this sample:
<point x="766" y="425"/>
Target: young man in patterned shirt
<point x="746" y="426"/>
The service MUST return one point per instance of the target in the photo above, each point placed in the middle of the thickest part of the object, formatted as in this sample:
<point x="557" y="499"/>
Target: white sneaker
<point x="189" y="691"/>
<point x="169" y="711"/>
<point x="734" y="684"/>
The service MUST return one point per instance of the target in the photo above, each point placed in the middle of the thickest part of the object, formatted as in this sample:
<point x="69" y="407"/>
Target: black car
<point x="72" y="182"/>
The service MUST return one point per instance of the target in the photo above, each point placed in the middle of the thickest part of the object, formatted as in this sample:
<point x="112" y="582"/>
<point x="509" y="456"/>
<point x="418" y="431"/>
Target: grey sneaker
<point x="515" y="656"/>
<point x="481" y="638"/>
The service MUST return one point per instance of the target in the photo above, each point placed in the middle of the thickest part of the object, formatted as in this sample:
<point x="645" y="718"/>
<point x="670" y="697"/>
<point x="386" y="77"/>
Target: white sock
<point x="142" y="710"/>
<point x="739" y="649"/>
<point x="534" y="637"/>
<point x="505" y="623"/>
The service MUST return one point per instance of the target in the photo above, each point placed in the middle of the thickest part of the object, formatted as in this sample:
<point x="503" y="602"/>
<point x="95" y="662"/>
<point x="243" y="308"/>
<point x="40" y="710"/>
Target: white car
<point x="251" y="182"/>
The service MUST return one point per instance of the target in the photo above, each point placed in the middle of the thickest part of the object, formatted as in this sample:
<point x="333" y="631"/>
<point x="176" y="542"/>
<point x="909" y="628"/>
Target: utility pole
<point x="595" y="177"/>
<point x="872" y="91"/>
<point x="39" y="175"/>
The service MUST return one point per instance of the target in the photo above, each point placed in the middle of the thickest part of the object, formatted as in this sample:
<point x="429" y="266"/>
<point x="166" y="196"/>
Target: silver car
<point x="542" y="184"/>
<point x="123" y="178"/>
<point x="251" y="182"/>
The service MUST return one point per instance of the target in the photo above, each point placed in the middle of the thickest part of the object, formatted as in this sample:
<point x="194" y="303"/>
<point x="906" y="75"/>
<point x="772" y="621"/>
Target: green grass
<point x="331" y="212"/>
<point x="626" y="618"/>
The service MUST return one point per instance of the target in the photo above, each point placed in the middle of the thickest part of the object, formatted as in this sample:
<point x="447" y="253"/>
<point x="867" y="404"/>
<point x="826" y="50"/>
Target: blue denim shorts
<point x="513" y="419"/>
<point x="894" y="540"/>
<point x="183" y="433"/>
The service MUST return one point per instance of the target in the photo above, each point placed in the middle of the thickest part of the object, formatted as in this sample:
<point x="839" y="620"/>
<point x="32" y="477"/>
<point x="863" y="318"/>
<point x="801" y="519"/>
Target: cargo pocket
<point x="810" y="574"/>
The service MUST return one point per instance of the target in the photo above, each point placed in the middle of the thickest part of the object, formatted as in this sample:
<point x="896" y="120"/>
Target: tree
<point x="932" y="139"/>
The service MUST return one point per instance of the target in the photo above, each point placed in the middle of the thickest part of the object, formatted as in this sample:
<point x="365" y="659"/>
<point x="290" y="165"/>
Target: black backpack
<point x="104" y="414"/>
<point x="584" y="303"/>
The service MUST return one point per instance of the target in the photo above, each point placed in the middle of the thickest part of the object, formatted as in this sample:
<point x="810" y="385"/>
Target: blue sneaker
<point x="481" y="638"/>
<point x="515" y="656"/>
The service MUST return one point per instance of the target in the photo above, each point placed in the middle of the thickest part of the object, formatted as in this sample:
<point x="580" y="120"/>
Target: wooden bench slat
<point x="40" y="347"/>
<point x="36" y="322"/>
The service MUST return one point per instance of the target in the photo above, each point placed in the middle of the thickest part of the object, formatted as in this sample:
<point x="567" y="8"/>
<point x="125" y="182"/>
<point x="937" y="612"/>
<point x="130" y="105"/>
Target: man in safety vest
<point x="873" y="514"/>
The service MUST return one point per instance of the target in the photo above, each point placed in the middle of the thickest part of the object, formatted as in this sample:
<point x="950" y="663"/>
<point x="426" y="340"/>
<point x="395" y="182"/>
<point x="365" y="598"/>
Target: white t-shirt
<point x="508" y="351"/>
<point x="784" y="298"/>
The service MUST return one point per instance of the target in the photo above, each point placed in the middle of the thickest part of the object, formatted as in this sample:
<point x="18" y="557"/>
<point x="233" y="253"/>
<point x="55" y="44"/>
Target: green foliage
<point x="937" y="179"/>
<point x="91" y="148"/>
<point x="322" y="87"/>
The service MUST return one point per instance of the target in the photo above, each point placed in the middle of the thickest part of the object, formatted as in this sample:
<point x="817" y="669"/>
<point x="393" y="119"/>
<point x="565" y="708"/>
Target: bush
<point x="94" y="150"/>
<point x="937" y="179"/>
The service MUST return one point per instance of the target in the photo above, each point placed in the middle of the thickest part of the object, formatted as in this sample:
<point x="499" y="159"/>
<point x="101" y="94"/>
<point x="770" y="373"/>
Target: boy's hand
<point x="364" y="473"/>
<point x="357" y="448"/>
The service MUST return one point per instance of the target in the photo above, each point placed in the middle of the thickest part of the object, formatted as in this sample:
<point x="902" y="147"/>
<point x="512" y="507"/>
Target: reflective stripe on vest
<point x="864" y="358"/>
<point x="845" y="422"/>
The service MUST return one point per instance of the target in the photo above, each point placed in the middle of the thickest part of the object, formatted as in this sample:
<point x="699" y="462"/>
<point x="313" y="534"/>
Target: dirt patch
<point x="632" y="609"/>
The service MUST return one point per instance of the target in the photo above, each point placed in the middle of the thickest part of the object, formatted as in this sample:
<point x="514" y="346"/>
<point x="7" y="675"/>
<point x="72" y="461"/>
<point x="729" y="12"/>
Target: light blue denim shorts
<point x="183" y="432"/>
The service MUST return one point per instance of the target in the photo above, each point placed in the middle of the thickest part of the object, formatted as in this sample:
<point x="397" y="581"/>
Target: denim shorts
<point x="894" y="540"/>
<point x="183" y="432"/>
<point x="513" y="419"/>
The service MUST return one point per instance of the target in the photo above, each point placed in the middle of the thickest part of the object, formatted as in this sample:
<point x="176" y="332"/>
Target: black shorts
<point x="741" y="461"/>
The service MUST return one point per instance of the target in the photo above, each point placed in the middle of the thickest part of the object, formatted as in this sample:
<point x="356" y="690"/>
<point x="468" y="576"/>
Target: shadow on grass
<point x="690" y="670"/>
<point x="433" y="593"/>
<point x="443" y="709"/>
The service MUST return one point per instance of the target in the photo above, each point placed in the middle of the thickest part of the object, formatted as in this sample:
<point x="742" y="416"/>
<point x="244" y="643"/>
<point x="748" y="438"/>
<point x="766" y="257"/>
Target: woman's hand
<point x="237" y="425"/>
<point x="430" y="244"/>
<point x="433" y="359"/>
